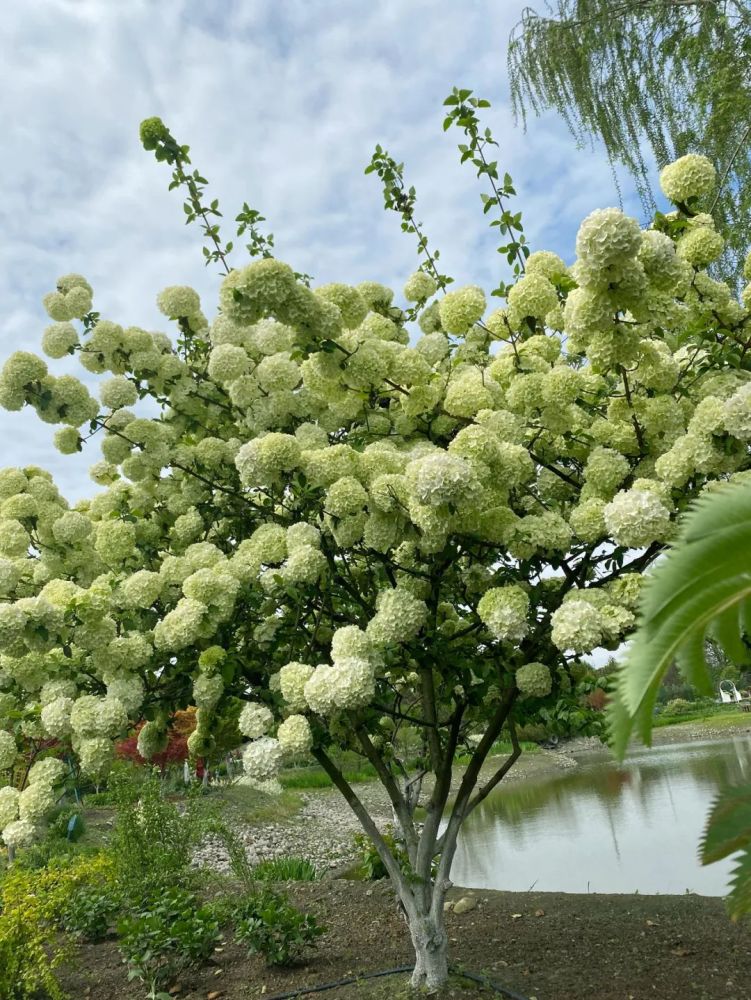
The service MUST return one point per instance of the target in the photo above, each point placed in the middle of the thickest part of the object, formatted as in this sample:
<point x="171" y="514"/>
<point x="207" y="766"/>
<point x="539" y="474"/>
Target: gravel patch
<point x="322" y="832"/>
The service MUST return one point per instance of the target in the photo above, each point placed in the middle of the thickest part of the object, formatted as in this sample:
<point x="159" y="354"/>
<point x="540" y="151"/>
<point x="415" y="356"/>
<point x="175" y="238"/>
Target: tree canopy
<point x="353" y="523"/>
<point x="649" y="78"/>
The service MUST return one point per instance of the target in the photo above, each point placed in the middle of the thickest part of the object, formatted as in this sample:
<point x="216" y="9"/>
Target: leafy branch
<point x="463" y="114"/>
<point x="398" y="198"/>
<point x="157" y="137"/>
<point x="701" y="588"/>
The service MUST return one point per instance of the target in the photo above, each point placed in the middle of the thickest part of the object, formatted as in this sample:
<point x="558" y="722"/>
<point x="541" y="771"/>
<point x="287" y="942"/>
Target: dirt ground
<point x="546" y="946"/>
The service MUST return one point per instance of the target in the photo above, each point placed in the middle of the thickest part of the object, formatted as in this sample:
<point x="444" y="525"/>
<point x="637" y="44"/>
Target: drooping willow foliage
<point x="649" y="78"/>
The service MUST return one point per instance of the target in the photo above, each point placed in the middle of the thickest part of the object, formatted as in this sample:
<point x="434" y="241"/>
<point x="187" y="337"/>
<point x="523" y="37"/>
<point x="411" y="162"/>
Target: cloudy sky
<point x="281" y="102"/>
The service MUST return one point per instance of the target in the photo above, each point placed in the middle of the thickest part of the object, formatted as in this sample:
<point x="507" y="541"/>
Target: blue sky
<point x="281" y="102"/>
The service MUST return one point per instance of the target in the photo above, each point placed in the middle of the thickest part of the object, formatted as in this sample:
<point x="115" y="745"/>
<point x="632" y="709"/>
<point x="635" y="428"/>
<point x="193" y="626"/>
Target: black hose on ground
<point x="503" y="991"/>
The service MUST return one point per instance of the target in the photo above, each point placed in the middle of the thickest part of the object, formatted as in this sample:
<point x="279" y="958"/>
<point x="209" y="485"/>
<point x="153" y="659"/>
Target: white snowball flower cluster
<point x="577" y="626"/>
<point x="504" y="610"/>
<point x="737" y="413"/>
<point x="262" y="758"/>
<point x="262" y="461"/>
<point x="255" y="720"/>
<point x="59" y="339"/>
<point x="118" y="392"/>
<point x="350" y="641"/>
<point x="419" y="286"/>
<point x="8" y="805"/>
<point x="292" y="680"/>
<point x="532" y="295"/>
<point x="399" y="617"/>
<point x="96" y="756"/>
<point x="352" y="682"/>
<point x="207" y="690"/>
<point x="49" y="771"/>
<point x="607" y="237"/>
<point x="72" y="300"/>
<point x="8" y="750"/>
<point x="55" y="718"/>
<point x="319" y="690"/>
<point x="461" y="309"/>
<point x="534" y="680"/>
<point x="700" y="247"/>
<point x="636" y="518"/>
<point x="546" y="263"/>
<point x="294" y="735"/>
<point x="98" y="717"/>
<point x="21" y="813"/>
<point x="21" y="833"/>
<point x="443" y="479"/>
<point x="140" y="589"/>
<point x="35" y="801"/>
<point x="112" y="718"/>
<point x="349" y="301"/>
<point x="691" y="176"/>
<point x="178" y="301"/>
<point x="181" y="626"/>
<point x="72" y="528"/>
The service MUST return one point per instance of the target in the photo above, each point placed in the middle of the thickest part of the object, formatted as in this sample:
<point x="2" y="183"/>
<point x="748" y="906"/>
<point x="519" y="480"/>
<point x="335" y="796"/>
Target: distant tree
<point x="662" y="76"/>
<point x="175" y="750"/>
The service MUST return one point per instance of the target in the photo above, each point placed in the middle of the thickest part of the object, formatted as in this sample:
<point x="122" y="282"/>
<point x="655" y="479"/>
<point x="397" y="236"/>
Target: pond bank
<point x="547" y="946"/>
<point x="322" y="830"/>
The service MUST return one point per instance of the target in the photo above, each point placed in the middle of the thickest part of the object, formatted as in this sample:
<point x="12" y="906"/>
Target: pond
<point x="604" y="827"/>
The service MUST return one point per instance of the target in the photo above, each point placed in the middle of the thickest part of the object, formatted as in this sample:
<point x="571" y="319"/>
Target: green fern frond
<point x="702" y="584"/>
<point x="729" y="831"/>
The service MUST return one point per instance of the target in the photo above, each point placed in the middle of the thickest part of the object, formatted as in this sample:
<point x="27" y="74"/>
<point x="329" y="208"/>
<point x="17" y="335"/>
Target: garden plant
<point x="357" y="513"/>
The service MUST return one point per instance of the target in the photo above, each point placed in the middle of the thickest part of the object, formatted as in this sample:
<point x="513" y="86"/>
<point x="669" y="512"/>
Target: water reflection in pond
<point x="604" y="827"/>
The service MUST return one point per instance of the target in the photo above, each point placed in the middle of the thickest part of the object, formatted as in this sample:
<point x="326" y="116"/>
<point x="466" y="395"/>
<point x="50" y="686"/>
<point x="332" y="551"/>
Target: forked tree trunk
<point x="430" y="941"/>
<point x="422" y="888"/>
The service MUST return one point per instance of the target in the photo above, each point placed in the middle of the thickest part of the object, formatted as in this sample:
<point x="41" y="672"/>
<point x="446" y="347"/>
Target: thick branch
<point x="499" y="775"/>
<point x="472" y="773"/>
<point x="366" y="822"/>
<point x="397" y="799"/>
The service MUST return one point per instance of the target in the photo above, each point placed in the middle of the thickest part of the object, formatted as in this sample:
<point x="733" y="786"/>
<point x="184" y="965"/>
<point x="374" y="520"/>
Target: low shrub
<point x="268" y="924"/>
<point x="49" y="850"/>
<point x="32" y="904"/>
<point x="166" y="936"/>
<point x="153" y="839"/>
<point x="370" y="867"/>
<point x="91" y="912"/>
<point x="679" y="706"/>
<point x="285" y="870"/>
<point x="67" y="823"/>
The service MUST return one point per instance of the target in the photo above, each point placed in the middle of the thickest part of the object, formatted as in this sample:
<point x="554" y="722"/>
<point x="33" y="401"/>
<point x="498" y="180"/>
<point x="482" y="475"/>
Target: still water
<point x="604" y="827"/>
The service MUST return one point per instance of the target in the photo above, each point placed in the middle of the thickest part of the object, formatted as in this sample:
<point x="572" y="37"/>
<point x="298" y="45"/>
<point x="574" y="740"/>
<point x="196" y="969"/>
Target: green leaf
<point x="703" y="581"/>
<point x="729" y="825"/>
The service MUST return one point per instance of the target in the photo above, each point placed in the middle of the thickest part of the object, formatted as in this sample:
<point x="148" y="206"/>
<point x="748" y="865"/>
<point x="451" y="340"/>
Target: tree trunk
<point x="430" y="942"/>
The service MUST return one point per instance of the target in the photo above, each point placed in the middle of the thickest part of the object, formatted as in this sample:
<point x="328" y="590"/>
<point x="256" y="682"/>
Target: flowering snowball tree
<point x="354" y="523"/>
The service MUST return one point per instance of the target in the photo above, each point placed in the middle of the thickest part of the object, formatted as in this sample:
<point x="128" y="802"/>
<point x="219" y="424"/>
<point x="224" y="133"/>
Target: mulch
<point x="547" y="946"/>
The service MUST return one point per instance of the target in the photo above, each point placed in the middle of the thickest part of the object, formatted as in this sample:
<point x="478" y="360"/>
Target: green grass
<point x="285" y="869"/>
<point x="355" y="770"/>
<point x="315" y="777"/>
<point x="719" y="716"/>
<point x="249" y="805"/>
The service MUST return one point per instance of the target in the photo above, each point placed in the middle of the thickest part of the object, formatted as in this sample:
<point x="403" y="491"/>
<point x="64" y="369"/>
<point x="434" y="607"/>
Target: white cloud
<point x="282" y="104"/>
